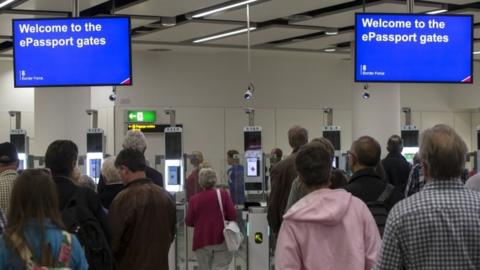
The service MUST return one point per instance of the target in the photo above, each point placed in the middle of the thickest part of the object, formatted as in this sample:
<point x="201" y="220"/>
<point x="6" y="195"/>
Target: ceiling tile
<point x="168" y="8"/>
<point x="57" y="5"/>
<point x="474" y="12"/>
<point x="346" y="18"/>
<point x="187" y="31"/>
<point x="274" y="9"/>
<point x="320" y="43"/>
<point x="456" y="2"/>
<point x="264" y="35"/>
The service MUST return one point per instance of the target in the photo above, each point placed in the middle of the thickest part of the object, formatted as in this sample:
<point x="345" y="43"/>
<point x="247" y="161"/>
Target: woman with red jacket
<point x="205" y="216"/>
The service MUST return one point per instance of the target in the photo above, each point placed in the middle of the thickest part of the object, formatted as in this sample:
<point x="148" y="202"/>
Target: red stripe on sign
<point x="126" y="82"/>
<point x="467" y="79"/>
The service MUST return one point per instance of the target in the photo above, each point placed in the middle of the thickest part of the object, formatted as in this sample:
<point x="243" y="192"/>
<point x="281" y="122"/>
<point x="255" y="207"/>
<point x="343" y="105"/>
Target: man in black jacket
<point x="366" y="183"/>
<point x="82" y="203"/>
<point x="397" y="168"/>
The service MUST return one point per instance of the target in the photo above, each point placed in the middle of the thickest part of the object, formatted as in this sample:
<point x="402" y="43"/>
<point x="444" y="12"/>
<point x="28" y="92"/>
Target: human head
<point x="233" y="157"/>
<point x="135" y="139"/>
<point x="442" y="153"/>
<point x="61" y="157"/>
<point x="326" y="143"/>
<point x="196" y="158"/>
<point x="207" y="178"/>
<point x="8" y="157"/>
<point x="314" y="164"/>
<point x="110" y="172"/>
<point x="34" y="197"/>
<point x="338" y="179"/>
<point x="131" y="165"/>
<point x="364" y="153"/>
<point x="297" y="136"/>
<point x="276" y="155"/>
<point x="88" y="182"/>
<point x="395" y="144"/>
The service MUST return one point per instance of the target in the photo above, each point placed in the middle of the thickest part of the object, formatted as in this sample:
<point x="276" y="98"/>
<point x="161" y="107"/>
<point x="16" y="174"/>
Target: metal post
<point x="251" y="116"/>
<point x="171" y="113"/>
<point x="408" y="116"/>
<point x="94" y="115"/>
<point x="75" y="8"/>
<point x="329" y="112"/>
<point x="18" y="118"/>
<point x="410" y="5"/>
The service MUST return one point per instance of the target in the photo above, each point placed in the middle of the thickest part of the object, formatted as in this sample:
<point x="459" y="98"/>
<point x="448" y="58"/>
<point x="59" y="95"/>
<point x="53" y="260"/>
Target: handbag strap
<point x="219" y="199"/>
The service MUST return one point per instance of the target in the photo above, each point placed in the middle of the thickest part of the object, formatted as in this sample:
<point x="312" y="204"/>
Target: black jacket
<point x="367" y="185"/>
<point x="397" y="170"/>
<point x="108" y="194"/>
<point x="151" y="173"/>
<point x="66" y="189"/>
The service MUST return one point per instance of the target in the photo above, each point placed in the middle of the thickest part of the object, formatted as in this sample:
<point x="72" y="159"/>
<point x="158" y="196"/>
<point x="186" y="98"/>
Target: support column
<point x="379" y="115"/>
<point x="60" y="114"/>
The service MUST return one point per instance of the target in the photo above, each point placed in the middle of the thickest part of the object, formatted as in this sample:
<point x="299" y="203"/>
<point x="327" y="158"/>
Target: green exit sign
<point x="141" y="116"/>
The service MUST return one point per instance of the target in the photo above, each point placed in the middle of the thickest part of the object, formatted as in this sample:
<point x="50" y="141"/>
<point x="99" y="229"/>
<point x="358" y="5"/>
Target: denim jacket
<point x="53" y="235"/>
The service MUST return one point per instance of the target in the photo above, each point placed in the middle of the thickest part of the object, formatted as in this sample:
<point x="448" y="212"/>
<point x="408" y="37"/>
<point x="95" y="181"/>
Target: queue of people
<point x="320" y="217"/>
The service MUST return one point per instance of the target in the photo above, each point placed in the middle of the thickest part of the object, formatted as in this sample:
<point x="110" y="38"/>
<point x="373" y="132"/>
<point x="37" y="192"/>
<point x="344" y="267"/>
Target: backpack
<point x="64" y="256"/>
<point x="80" y="220"/>
<point x="379" y="209"/>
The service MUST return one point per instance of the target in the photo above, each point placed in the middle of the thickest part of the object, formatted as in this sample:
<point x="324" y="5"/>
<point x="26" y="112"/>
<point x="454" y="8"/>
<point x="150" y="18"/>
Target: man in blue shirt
<point x="236" y="182"/>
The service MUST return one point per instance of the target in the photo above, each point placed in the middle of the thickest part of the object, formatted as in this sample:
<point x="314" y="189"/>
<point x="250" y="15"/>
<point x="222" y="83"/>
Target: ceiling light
<point x="477" y="52"/>
<point x="227" y="34"/>
<point x="438" y="11"/>
<point x="5" y="3"/>
<point x="169" y="21"/>
<point x="215" y="10"/>
<point x="331" y="32"/>
<point x="330" y="50"/>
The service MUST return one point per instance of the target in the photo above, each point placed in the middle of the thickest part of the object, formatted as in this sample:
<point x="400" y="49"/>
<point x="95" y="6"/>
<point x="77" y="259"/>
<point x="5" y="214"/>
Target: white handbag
<point x="231" y="231"/>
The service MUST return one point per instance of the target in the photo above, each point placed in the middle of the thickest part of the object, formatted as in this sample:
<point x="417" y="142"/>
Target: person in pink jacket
<point x="327" y="229"/>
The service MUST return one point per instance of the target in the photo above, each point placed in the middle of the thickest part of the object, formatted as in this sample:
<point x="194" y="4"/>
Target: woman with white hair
<point x="113" y="182"/>
<point x="135" y="139"/>
<point x="205" y="216"/>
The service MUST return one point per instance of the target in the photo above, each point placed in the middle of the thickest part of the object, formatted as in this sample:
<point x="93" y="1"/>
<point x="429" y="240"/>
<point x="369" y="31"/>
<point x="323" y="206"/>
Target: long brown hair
<point x="34" y="197"/>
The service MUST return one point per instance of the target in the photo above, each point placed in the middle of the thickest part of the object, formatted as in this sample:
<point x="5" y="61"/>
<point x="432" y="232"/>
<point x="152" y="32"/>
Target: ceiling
<point x="281" y="25"/>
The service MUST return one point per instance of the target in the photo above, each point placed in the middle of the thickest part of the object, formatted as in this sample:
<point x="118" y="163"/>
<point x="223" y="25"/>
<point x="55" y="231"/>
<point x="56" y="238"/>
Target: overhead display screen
<point x="413" y="48"/>
<point x="72" y="52"/>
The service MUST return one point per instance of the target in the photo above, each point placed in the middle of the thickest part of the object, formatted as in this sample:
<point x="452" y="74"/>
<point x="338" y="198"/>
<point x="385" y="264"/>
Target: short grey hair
<point x="443" y="152"/>
<point x="207" y="178"/>
<point x="110" y="172"/>
<point x="135" y="139"/>
<point x="297" y="136"/>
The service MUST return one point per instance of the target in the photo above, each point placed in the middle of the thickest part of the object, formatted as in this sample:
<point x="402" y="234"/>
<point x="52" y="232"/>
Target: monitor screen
<point x="174" y="175"/>
<point x="334" y="137"/>
<point x="72" y="52"/>
<point x="253" y="167"/>
<point x="95" y="142"/>
<point x="95" y="168"/>
<point x="252" y="140"/>
<point x="173" y="145"/>
<point x="413" y="48"/>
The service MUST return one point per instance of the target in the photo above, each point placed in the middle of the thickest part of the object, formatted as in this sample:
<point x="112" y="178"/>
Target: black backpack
<point x="80" y="220"/>
<point x="379" y="208"/>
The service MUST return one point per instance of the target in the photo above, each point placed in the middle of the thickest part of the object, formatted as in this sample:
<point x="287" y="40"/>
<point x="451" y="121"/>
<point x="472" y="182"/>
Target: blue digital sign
<point x="413" y="48"/>
<point x="72" y="52"/>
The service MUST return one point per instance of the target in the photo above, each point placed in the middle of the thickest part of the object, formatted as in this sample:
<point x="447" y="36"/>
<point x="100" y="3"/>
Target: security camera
<point x="248" y="95"/>
<point x="90" y="112"/>
<point x="112" y="97"/>
<point x="366" y="95"/>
